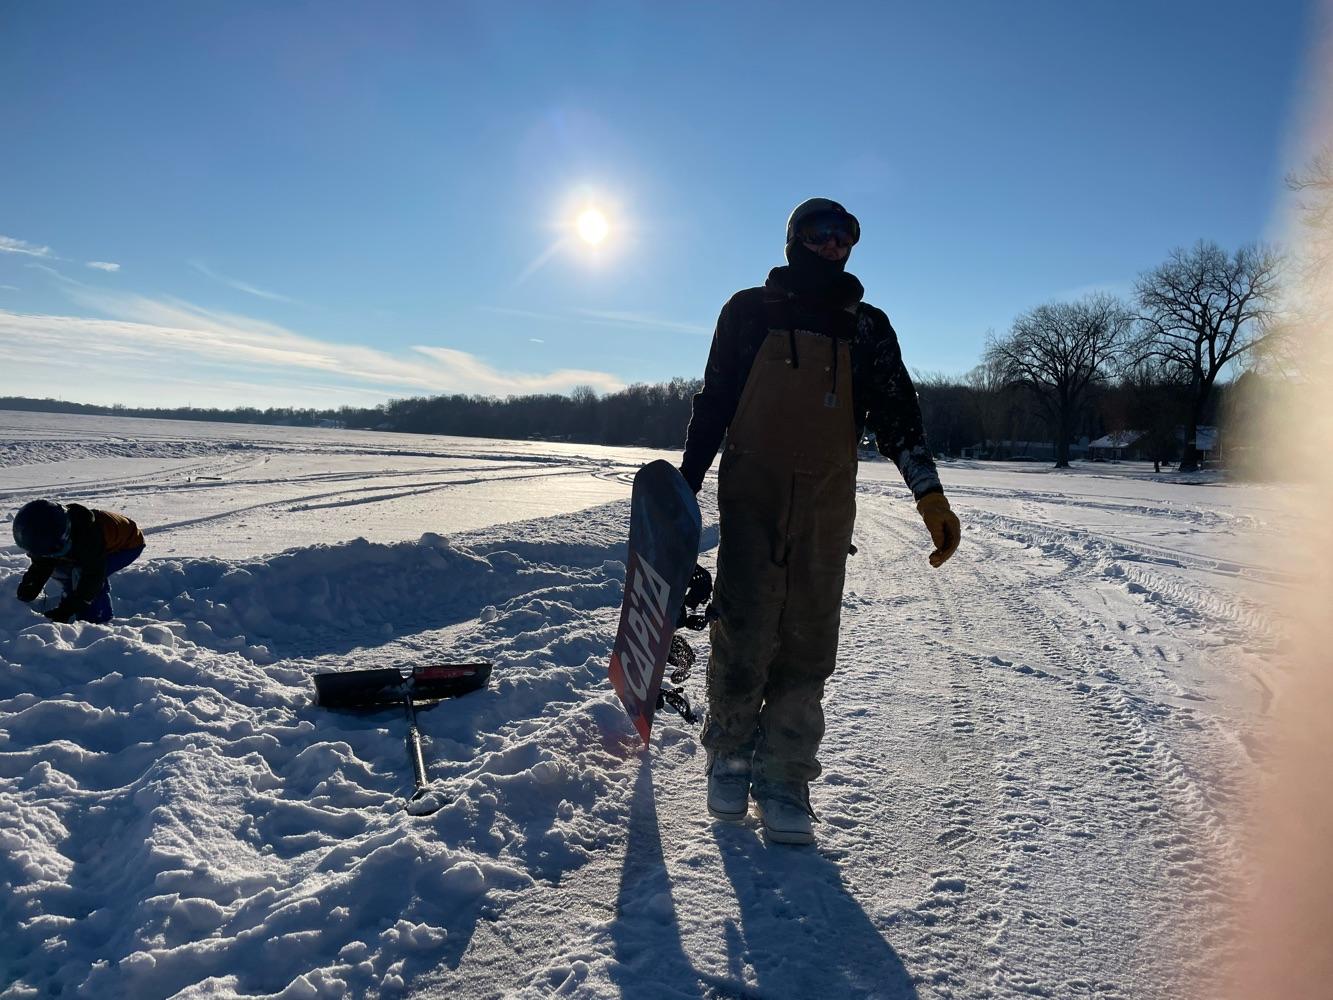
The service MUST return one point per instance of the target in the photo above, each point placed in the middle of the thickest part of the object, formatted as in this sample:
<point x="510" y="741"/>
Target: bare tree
<point x="1287" y="351"/>
<point x="1288" y="431"/>
<point x="1316" y="210"/>
<point x="1201" y="311"/>
<point x="1058" y="351"/>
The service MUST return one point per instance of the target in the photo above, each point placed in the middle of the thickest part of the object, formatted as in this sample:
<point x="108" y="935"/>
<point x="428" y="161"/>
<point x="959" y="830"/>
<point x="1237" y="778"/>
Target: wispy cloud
<point x="602" y="317"/>
<point x="469" y="369"/>
<point x="536" y="340"/>
<point x="47" y="269"/>
<point x="611" y="318"/>
<point x="10" y="288"/>
<point x="181" y="337"/>
<point x="524" y="314"/>
<point x="242" y="286"/>
<point x="132" y="378"/>
<point x="10" y="245"/>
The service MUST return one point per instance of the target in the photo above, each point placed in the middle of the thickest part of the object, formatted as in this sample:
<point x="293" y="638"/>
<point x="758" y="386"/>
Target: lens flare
<point x="1285" y="913"/>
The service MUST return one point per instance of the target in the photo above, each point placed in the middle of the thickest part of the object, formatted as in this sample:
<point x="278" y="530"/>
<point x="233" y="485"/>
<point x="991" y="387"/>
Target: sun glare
<point x="592" y="226"/>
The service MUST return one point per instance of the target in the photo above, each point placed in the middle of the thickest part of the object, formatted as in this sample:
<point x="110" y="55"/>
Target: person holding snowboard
<point x="797" y="371"/>
<point x="79" y="547"/>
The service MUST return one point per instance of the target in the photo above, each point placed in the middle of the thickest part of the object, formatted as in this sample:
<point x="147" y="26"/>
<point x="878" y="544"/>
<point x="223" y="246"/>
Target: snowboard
<point x="663" y="547"/>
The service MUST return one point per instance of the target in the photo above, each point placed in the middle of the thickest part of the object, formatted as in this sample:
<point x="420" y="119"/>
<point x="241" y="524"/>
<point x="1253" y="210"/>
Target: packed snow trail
<point x="1006" y="812"/>
<point x="1033" y="765"/>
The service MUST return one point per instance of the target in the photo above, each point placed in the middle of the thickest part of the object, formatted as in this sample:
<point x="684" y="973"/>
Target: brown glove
<point x="942" y="523"/>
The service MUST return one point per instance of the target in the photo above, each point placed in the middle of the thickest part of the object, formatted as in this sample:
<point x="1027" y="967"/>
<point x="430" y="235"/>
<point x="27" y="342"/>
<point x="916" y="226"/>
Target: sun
<point x="592" y="226"/>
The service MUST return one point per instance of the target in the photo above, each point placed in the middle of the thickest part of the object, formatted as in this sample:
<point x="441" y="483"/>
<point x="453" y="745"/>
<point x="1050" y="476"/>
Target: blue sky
<point x="327" y="203"/>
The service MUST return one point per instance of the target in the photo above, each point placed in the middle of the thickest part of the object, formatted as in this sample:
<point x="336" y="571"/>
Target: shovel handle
<point x="414" y="750"/>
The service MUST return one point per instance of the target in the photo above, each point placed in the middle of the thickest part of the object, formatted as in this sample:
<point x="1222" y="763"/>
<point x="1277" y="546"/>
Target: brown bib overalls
<point x="786" y="504"/>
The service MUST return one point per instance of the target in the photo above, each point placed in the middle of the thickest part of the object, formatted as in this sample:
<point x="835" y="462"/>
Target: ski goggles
<point x="824" y="226"/>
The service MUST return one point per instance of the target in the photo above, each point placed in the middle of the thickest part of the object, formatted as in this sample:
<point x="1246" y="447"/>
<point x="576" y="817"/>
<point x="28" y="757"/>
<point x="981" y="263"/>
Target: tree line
<point x="1160" y="366"/>
<point x="650" y="415"/>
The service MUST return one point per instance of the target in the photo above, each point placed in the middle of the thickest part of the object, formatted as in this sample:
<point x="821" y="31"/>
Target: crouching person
<point x="78" y="547"/>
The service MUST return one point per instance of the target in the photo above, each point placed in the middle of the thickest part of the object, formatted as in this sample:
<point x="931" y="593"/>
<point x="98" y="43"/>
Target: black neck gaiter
<point x="817" y="281"/>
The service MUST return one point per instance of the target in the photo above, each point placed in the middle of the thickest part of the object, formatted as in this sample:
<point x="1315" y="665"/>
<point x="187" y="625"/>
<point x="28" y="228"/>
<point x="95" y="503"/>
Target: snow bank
<point x="27" y="451"/>
<point x="178" y="819"/>
<point x="323" y="598"/>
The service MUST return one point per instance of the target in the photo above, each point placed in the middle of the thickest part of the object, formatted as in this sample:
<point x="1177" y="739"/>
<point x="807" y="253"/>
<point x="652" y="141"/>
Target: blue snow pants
<point x="99" y="610"/>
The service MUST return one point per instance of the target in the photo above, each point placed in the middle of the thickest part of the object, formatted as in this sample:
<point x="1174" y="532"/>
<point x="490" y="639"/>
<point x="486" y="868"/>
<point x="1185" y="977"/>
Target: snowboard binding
<point x="698" y="592"/>
<point x="681" y="657"/>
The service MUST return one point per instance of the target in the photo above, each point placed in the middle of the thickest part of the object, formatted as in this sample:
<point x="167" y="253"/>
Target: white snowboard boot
<point x="787" y="819"/>
<point x="728" y="786"/>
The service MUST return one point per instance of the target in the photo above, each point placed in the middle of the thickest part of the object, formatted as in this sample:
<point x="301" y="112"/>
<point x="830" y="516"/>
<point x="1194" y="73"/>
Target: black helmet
<point x="823" y="213"/>
<point x="42" y="528"/>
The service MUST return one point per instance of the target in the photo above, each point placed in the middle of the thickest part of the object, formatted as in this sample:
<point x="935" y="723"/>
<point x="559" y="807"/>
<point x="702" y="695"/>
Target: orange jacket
<point x="119" y="533"/>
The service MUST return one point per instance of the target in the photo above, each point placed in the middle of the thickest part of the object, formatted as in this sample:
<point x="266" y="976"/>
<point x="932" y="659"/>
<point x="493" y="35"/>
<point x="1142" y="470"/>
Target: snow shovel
<point x="384" y="686"/>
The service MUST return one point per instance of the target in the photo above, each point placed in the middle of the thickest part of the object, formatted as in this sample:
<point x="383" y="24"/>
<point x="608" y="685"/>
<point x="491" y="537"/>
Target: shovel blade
<point x="360" y="688"/>
<point x="390" y="686"/>
<point x="447" y="680"/>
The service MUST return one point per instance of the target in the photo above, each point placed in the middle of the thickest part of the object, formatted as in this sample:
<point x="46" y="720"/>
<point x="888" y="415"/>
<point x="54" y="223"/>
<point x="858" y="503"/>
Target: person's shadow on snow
<point x="800" y="930"/>
<point x="646" y="933"/>
<point x="651" y="960"/>
<point x="801" y="933"/>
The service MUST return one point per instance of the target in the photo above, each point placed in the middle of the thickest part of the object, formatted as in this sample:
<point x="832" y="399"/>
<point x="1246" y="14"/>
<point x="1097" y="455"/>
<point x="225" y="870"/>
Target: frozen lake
<point x="1035" y="767"/>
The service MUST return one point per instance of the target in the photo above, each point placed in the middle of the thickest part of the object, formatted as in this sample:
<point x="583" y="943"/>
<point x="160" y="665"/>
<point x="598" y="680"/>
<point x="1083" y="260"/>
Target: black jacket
<point x="86" y="557"/>
<point x="883" y="397"/>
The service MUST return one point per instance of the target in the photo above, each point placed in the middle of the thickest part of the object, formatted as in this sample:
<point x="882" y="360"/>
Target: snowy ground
<point x="1034" y="768"/>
